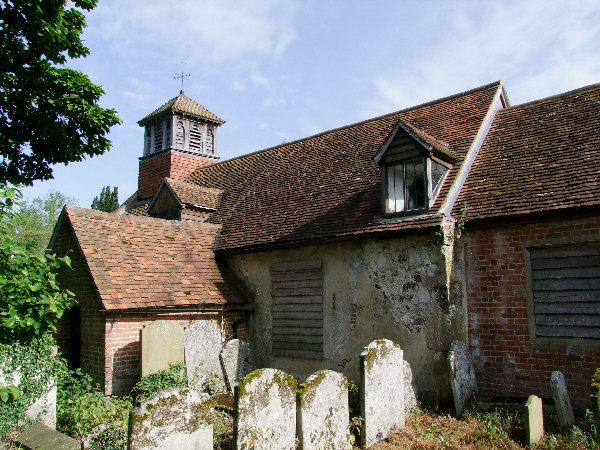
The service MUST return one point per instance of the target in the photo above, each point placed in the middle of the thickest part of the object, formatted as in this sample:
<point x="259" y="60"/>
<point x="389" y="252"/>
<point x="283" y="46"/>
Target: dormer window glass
<point x="406" y="187"/>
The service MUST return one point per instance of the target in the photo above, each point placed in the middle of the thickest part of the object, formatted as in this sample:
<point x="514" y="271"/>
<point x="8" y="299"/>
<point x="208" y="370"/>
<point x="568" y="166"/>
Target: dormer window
<point x="412" y="171"/>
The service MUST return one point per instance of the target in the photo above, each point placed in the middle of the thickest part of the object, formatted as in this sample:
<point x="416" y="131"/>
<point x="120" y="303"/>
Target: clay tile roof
<point x="194" y="195"/>
<point x="539" y="156"/>
<point x="143" y="262"/>
<point x="183" y="104"/>
<point x="437" y="146"/>
<point x="328" y="185"/>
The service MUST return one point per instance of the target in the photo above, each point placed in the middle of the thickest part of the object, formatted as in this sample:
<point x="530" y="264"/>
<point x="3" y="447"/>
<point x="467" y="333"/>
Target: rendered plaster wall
<point x="395" y="289"/>
<point x="508" y="361"/>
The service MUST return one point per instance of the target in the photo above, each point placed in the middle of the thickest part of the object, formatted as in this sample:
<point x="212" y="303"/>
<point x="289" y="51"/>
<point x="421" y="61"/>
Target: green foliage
<point x="149" y="385"/>
<point x="213" y="385"/>
<point x="108" y="201"/>
<point x="48" y="113"/>
<point x="36" y="365"/>
<point x="595" y="397"/>
<point x="81" y="406"/>
<point x="7" y="393"/>
<point x="34" y="222"/>
<point x="108" y="437"/>
<point x="31" y="298"/>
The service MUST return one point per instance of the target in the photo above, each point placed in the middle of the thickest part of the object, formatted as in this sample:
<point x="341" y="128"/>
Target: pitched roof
<point x="143" y="262"/>
<point x="539" y="156"/>
<point x="194" y="195"/>
<point x="185" y="105"/>
<point x="328" y="185"/>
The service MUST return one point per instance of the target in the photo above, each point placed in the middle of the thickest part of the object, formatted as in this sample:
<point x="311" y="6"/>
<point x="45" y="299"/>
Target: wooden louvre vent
<point x="565" y="283"/>
<point x="297" y="292"/>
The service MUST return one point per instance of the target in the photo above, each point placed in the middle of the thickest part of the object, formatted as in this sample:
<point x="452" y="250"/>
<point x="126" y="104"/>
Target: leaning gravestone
<point x="203" y="343"/>
<point x="237" y="361"/>
<point x="462" y="376"/>
<point x="534" y="420"/>
<point x="162" y="344"/>
<point x="382" y="390"/>
<point x="410" y="398"/>
<point x="176" y="418"/>
<point x="562" y="403"/>
<point x="323" y="411"/>
<point x="265" y="410"/>
<point x="39" y="436"/>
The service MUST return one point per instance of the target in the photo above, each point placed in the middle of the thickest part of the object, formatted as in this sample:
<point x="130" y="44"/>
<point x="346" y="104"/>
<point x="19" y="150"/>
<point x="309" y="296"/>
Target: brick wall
<point x="168" y="164"/>
<point x="122" y="366"/>
<point x="69" y="335"/>
<point x="507" y="362"/>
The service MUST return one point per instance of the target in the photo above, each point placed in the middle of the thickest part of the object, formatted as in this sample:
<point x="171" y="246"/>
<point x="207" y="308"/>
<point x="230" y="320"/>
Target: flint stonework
<point x="382" y="390"/>
<point x="265" y="411"/>
<point x="203" y="343"/>
<point x="534" y="419"/>
<point x="462" y="376"/>
<point x="176" y="418"/>
<point x="323" y="411"/>
<point x="162" y="344"/>
<point x="237" y="361"/>
<point x="562" y="402"/>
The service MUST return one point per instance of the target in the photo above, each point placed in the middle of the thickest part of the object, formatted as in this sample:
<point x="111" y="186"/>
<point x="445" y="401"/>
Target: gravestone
<point x="265" y="410"/>
<point x="562" y="403"/>
<point x="534" y="420"/>
<point x="162" y="344"/>
<point x="410" y="398"/>
<point x="176" y="418"/>
<point x="41" y="437"/>
<point x="203" y="343"/>
<point x="323" y="411"/>
<point x="462" y="376"/>
<point x="237" y="361"/>
<point x="382" y="390"/>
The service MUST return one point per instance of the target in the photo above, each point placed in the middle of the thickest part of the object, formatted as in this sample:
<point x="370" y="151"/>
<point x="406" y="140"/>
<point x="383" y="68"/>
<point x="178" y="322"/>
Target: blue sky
<point x="282" y="70"/>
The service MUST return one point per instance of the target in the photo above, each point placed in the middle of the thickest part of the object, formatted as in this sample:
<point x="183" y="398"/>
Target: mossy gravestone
<point x="203" y="343"/>
<point x="265" y="411"/>
<point x="176" y="418"/>
<point x="534" y="420"/>
<point x="462" y="376"/>
<point x="237" y="361"/>
<point x="162" y="344"/>
<point x="562" y="402"/>
<point x="323" y="411"/>
<point x="382" y="390"/>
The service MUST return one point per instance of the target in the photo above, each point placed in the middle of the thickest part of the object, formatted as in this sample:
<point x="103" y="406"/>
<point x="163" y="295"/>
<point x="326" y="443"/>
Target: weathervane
<point x="183" y="76"/>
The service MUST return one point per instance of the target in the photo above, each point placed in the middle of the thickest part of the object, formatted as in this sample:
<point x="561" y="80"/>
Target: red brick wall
<point x="507" y="362"/>
<point x="79" y="281"/>
<point x="168" y="164"/>
<point x="122" y="365"/>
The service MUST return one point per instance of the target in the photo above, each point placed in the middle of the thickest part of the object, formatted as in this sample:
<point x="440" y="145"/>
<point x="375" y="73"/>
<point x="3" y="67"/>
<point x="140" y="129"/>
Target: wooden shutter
<point x="565" y="282"/>
<point x="297" y="292"/>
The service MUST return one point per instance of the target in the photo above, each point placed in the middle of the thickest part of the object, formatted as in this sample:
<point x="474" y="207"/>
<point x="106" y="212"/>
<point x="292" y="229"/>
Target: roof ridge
<point x="360" y="122"/>
<point x="552" y="97"/>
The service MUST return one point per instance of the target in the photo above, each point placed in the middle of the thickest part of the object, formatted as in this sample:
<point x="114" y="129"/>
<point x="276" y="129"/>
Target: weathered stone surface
<point x="562" y="402"/>
<point x="382" y="390"/>
<point x="41" y="437"/>
<point x="462" y="376"/>
<point x="176" y="418"/>
<point x="105" y="436"/>
<point x="595" y="397"/>
<point x="162" y="344"/>
<point x="265" y="410"/>
<point x="534" y="420"/>
<point x="203" y="343"/>
<point x="410" y="398"/>
<point x="237" y="361"/>
<point x="323" y="411"/>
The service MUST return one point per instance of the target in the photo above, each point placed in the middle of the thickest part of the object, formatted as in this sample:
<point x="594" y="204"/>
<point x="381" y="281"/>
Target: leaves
<point x="108" y="201"/>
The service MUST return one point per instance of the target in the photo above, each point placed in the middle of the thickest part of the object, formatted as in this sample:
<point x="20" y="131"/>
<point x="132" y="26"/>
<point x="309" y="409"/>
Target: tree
<point x="33" y="223"/>
<point x="48" y="113"/>
<point x="108" y="201"/>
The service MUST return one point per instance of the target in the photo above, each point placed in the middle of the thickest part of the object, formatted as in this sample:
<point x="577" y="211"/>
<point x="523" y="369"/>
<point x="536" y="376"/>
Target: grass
<point x="492" y="430"/>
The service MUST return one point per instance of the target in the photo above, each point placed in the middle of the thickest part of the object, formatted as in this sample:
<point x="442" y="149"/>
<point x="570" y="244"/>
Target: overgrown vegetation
<point x="149" y="385"/>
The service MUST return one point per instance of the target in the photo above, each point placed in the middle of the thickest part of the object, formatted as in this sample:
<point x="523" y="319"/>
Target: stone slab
<point x="462" y="376"/>
<point x="534" y="420"/>
<point x="410" y="397"/>
<point x="176" y="418"/>
<point x="265" y="411"/>
<point x="162" y="344"/>
<point x="382" y="390"/>
<point x="562" y="402"/>
<point x="323" y="412"/>
<point x="41" y="437"/>
<point x="237" y="361"/>
<point x="203" y="344"/>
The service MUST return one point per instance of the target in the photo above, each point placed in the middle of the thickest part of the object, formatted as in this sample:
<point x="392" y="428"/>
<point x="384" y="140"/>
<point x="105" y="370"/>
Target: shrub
<point x="149" y="385"/>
